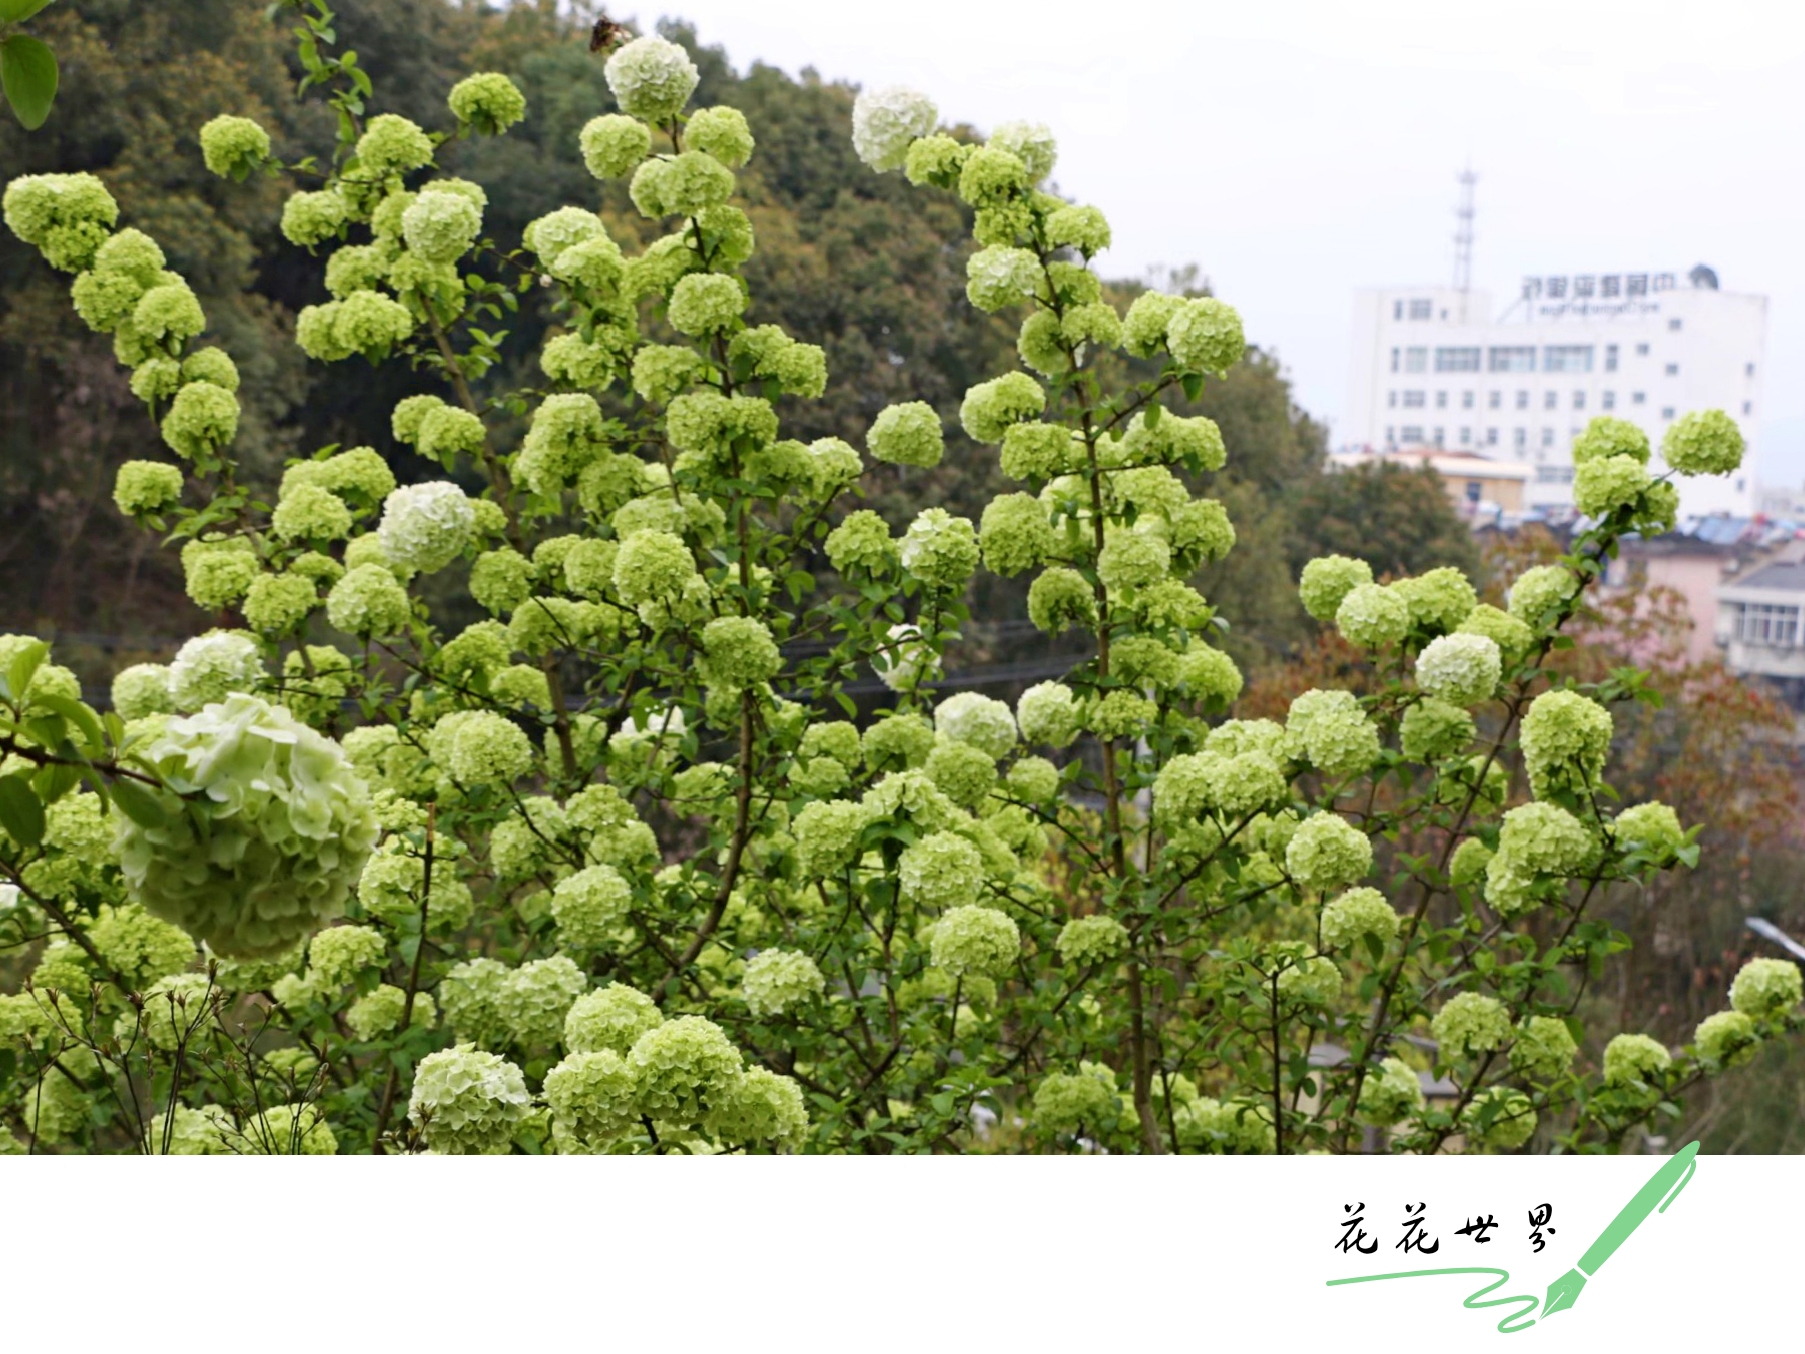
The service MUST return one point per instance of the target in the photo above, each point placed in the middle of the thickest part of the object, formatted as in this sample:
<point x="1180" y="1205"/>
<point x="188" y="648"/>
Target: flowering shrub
<point x="622" y="866"/>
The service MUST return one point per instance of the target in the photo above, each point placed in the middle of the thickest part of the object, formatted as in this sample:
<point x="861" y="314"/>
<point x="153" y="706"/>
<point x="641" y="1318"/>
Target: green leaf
<point x="77" y="714"/>
<point x="28" y="73"/>
<point x="21" y="813"/>
<point x="1192" y="381"/>
<point x="141" y="805"/>
<point x="18" y="11"/>
<point x="24" y="667"/>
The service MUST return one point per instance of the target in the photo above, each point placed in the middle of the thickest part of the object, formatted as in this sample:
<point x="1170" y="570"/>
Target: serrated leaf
<point x="28" y="74"/>
<point x="21" y="811"/>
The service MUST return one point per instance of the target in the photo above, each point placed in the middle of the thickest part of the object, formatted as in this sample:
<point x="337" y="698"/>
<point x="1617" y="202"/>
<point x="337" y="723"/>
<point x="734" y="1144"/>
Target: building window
<point x="1640" y="397"/>
<point x="1610" y="350"/>
<point x="1674" y="324"/>
<point x="1548" y="437"/>
<point x="1410" y="434"/>
<point x="1641" y="350"/>
<point x="1475" y="492"/>
<point x="1667" y="412"/>
<point x="1748" y="407"/>
<point x="1673" y="368"/>
<point x="1441" y="399"/>
<point x="1439" y="438"/>
<point x="1397" y="310"/>
<point x="1413" y="399"/>
<point x="1466" y="437"/>
<point x="1466" y="399"/>
<point x="1491" y="437"/>
<point x="1567" y="357"/>
<point x="1392" y="401"/>
<point x="1391" y="437"/>
<point x="1749" y="370"/>
<point x="1579" y="399"/>
<point x="1554" y="474"/>
<point x="1551" y="399"/>
<point x="1610" y="399"/>
<point x="1510" y="359"/>
<point x="1767" y="623"/>
<point x="1421" y="309"/>
<point x="1416" y="359"/>
<point x="1522" y="399"/>
<point x="1457" y="359"/>
<point x="1394" y="359"/>
<point x="1495" y="400"/>
<point x="1521" y="438"/>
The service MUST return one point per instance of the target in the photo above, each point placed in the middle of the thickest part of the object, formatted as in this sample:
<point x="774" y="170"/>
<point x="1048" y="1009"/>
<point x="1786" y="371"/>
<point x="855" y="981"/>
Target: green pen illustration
<point x="1654" y="1197"/>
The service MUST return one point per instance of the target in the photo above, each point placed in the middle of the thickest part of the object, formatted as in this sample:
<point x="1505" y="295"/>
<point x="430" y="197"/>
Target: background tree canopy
<point x="855" y="261"/>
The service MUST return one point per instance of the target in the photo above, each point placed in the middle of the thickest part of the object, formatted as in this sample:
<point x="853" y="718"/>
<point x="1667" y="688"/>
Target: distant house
<point x="1479" y="487"/>
<point x="1759" y="612"/>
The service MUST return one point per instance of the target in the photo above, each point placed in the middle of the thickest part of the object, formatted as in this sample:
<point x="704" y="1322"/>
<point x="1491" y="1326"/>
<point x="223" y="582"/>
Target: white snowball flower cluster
<point x="287" y="828"/>
<point x="984" y="723"/>
<point x="885" y="122"/>
<point x="467" y="1102"/>
<point x="1460" y="669"/>
<point x="426" y="526"/>
<point x="651" y="78"/>
<point x="210" y="667"/>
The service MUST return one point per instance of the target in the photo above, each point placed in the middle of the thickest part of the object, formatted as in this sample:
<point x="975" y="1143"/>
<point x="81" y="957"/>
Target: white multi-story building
<point x="1432" y="367"/>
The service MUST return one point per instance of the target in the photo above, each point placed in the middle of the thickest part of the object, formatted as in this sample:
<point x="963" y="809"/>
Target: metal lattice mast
<point x="1463" y="238"/>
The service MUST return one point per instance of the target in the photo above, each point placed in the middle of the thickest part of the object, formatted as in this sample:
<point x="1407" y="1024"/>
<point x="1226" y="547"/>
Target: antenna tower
<point x="1463" y="238"/>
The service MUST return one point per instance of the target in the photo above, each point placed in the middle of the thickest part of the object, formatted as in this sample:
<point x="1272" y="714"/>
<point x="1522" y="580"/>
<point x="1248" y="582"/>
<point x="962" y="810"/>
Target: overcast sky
<point x="1298" y="150"/>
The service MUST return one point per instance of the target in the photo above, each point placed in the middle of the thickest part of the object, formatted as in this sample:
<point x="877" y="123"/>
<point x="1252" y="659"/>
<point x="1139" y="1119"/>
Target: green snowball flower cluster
<point x="1540" y="591"/>
<point x="1536" y="840"/>
<point x="380" y="1011"/>
<point x="440" y="226"/>
<point x="1652" y="829"/>
<point x="975" y="941"/>
<point x="1633" y="1058"/>
<point x="1605" y="484"/>
<point x="147" y="487"/>
<point x="991" y="407"/>
<point x="1565" y="739"/>
<point x="288" y="826"/>
<point x="1605" y="437"/>
<point x="1050" y="713"/>
<point x="202" y="418"/>
<point x="211" y="667"/>
<point x="1328" y="852"/>
<point x="1513" y="638"/>
<point x="776" y="981"/>
<point x="1073" y="1102"/>
<point x="1092" y="940"/>
<point x="1331" y="731"/>
<point x="1433" y="730"/>
<point x="1392" y="1095"/>
<point x="1372" y="617"/>
<point x="468" y="1102"/>
<point x="488" y="103"/>
<point x="907" y="434"/>
<point x="613" y="145"/>
<point x="827" y="836"/>
<point x="1766" y="988"/>
<point x="861" y="542"/>
<point x="683" y="1069"/>
<point x="609" y="1018"/>
<point x="939" y="549"/>
<point x="1470" y="1024"/>
<point x="1726" y="1039"/>
<point x="339" y="953"/>
<point x="1500" y="1118"/>
<point x="588" y="905"/>
<point x="67" y="216"/>
<point x="369" y="602"/>
<point x="1543" y="1049"/>
<point x="940" y="871"/>
<point x="1205" y="335"/>
<point x="1707" y="442"/>
<point x="1356" y="914"/>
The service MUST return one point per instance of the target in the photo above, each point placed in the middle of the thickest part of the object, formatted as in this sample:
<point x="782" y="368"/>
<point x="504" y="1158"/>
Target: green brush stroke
<point x="1529" y="1302"/>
